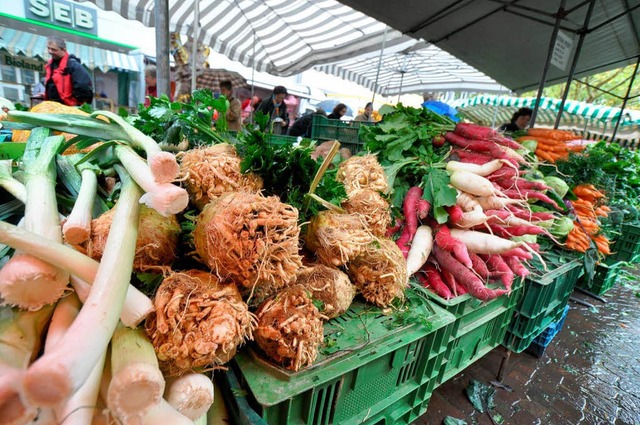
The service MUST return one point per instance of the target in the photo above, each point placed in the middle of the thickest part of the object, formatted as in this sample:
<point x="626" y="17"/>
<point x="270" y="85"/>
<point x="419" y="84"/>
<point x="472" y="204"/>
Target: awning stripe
<point x="292" y="35"/>
<point x="33" y="45"/>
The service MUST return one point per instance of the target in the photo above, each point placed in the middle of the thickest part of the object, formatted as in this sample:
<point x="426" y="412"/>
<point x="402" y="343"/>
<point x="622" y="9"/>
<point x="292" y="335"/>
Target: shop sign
<point x="22" y="62"/>
<point x="63" y="13"/>
<point x="562" y="50"/>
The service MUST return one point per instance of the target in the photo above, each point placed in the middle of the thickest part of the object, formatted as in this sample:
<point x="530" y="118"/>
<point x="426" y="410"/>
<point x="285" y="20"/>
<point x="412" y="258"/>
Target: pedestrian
<point x="151" y="84"/>
<point x="338" y="112"/>
<point x="276" y="109"/>
<point x="366" y="115"/>
<point x="303" y="125"/>
<point x="249" y="106"/>
<point x="67" y="81"/>
<point x="234" y="113"/>
<point x="519" y="121"/>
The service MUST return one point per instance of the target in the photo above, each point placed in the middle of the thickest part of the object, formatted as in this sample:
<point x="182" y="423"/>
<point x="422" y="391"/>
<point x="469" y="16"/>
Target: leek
<point x="136" y="384"/>
<point x="77" y="226"/>
<point x="83" y="269"/>
<point x="72" y="360"/>
<point x="190" y="394"/>
<point x="9" y="183"/>
<point x="25" y="281"/>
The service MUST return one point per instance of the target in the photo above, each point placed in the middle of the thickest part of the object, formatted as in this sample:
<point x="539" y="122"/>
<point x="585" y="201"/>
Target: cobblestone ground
<point x="590" y="374"/>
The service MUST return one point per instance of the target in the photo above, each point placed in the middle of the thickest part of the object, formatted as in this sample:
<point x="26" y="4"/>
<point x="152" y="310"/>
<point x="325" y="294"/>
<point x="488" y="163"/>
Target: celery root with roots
<point x="362" y="172"/>
<point x="198" y="322"/>
<point x="375" y="209"/>
<point x="380" y="273"/>
<point x="328" y="285"/>
<point x="290" y="328"/>
<point x="252" y="240"/>
<point x="338" y="238"/>
<point x="157" y="239"/>
<point x="210" y="172"/>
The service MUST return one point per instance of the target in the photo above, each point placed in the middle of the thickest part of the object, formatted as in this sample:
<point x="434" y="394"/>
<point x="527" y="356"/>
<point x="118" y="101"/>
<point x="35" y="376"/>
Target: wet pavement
<point x="589" y="374"/>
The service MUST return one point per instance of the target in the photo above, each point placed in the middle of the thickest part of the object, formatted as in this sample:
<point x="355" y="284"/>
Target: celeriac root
<point x="372" y="206"/>
<point x="362" y="172"/>
<point x="328" y="285"/>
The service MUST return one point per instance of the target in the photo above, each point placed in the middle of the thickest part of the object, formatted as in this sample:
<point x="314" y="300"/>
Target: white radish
<point x="472" y="183"/>
<point x="484" y="243"/>
<point x="513" y="154"/>
<point x="481" y="170"/>
<point x="496" y="202"/>
<point x="466" y="201"/>
<point x="421" y="247"/>
<point x="472" y="218"/>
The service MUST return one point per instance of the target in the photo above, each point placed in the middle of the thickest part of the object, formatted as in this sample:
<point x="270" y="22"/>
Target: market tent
<point x="509" y="40"/>
<point x="281" y="37"/>
<point x="32" y="45"/>
<point x="417" y="68"/>
<point x="592" y="121"/>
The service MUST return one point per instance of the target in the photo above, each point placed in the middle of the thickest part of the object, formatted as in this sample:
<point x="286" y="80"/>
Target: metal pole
<point x="194" y="45"/>
<point x="626" y="97"/>
<point x="163" y="70"/>
<point x="401" y="82"/>
<point x="375" y="84"/>
<point x="576" y="56"/>
<point x="253" y="77"/>
<point x="552" y="43"/>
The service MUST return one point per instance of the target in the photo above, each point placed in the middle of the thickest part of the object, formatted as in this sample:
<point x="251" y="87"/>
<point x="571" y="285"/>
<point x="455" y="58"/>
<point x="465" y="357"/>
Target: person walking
<point x="234" y="113"/>
<point x="66" y="80"/>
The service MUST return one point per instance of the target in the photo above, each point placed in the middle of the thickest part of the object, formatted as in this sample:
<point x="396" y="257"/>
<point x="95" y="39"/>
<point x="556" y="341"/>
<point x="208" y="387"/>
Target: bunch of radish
<point x="481" y="241"/>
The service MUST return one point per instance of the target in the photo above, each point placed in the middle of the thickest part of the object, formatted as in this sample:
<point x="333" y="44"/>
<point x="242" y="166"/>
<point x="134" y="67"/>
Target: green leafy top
<point x="403" y="143"/>
<point x="287" y="171"/>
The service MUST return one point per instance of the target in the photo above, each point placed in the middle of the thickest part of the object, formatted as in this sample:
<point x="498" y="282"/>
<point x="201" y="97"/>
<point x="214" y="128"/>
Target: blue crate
<point x="542" y="341"/>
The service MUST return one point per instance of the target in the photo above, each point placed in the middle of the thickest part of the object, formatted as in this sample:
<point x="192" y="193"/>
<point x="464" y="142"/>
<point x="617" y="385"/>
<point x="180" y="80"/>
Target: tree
<point x="594" y="88"/>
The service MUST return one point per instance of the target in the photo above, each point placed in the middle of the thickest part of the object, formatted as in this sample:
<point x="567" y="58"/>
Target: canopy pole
<point x="375" y="84"/>
<point x="626" y="98"/>
<point x="163" y="70"/>
<point x="574" y="63"/>
<point x="253" y="77"/>
<point x="194" y="41"/>
<point x="401" y="83"/>
<point x="552" y="43"/>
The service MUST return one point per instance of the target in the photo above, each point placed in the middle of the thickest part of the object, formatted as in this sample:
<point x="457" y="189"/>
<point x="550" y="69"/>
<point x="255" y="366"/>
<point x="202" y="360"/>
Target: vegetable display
<point x="142" y="270"/>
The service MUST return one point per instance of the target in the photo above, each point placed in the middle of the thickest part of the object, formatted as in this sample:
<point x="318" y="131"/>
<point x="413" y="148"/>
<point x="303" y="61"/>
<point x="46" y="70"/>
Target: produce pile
<point x="129" y="272"/>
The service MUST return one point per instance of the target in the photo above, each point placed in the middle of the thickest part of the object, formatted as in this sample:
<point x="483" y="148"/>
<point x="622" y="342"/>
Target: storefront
<point x="24" y="28"/>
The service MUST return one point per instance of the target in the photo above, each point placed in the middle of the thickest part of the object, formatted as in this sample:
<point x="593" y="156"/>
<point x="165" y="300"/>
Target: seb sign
<point x="63" y="13"/>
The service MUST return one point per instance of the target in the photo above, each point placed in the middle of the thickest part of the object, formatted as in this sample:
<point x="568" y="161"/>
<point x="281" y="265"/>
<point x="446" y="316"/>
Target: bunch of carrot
<point x="588" y="207"/>
<point x="553" y="144"/>
<point x="475" y="246"/>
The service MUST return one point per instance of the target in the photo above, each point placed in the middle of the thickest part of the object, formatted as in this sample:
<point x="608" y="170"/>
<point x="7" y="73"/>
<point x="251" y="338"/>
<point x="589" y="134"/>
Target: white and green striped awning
<point x="593" y="121"/>
<point x="33" y="45"/>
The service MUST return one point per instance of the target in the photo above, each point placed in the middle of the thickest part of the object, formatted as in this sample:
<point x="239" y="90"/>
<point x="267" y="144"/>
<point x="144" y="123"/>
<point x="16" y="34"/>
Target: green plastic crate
<point x="371" y="365"/>
<point x="12" y="150"/>
<point x="403" y="411"/>
<point x="545" y="297"/>
<point x="604" y="279"/>
<point x="479" y="328"/>
<point x="281" y="139"/>
<point x="346" y="132"/>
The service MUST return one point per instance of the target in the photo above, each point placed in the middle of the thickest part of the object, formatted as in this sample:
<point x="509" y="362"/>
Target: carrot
<point x="465" y="276"/>
<point x="431" y="279"/>
<point x="447" y="242"/>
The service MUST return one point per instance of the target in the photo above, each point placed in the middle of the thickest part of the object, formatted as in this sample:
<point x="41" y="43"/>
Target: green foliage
<point x="287" y="171"/>
<point x="172" y="122"/>
<point x="403" y="143"/>
<point x="481" y="395"/>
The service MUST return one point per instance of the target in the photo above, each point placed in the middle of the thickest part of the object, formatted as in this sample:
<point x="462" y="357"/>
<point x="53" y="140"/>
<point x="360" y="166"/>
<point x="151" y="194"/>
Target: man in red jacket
<point x="66" y="80"/>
